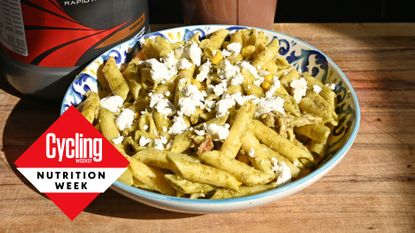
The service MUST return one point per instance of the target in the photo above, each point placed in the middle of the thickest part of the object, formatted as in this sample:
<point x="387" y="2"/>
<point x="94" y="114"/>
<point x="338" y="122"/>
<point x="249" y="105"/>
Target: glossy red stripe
<point x="39" y="43"/>
<point x="48" y="5"/>
<point x="70" y="54"/>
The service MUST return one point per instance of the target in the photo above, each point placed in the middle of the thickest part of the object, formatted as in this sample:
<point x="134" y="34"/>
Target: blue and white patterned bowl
<point x="301" y="55"/>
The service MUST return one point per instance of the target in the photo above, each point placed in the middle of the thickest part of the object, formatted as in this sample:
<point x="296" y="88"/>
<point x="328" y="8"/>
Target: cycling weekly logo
<point x="71" y="163"/>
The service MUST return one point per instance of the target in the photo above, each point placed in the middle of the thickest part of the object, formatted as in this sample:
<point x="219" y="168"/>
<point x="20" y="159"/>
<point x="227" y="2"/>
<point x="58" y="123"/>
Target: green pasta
<point x="90" y="107"/>
<point x="115" y="79"/>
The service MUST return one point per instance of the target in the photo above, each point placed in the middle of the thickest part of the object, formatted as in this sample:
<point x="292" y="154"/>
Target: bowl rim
<point x="272" y="192"/>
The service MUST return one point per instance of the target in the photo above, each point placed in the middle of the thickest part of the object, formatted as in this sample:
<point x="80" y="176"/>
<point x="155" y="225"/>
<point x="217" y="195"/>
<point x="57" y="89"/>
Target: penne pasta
<point x="90" y="107"/>
<point x="150" y="177"/>
<point x="244" y="173"/>
<point x="107" y="123"/>
<point x="153" y="157"/>
<point x="201" y="173"/>
<point x="252" y="147"/>
<point x="266" y="55"/>
<point x="243" y="118"/>
<point x="188" y="187"/>
<point x="132" y="75"/>
<point x="127" y="177"/>
<point x="275" y="141"/>
<point x="215" y="40"/>
<point x="317" y="132"/>
<point x="182" y="142"/>
<point x="295" y="171"/>
<point x="115" y="79"/>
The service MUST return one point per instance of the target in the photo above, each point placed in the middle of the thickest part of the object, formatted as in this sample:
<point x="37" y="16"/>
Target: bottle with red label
<point x="45" y="43"/>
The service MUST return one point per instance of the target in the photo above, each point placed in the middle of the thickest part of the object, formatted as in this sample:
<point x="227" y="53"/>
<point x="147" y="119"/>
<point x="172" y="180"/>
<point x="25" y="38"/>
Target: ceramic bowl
<point x="303" y="56"/>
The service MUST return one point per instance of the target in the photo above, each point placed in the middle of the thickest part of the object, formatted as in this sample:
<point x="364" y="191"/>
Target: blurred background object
<point x="170" y="11"/>
<point x="242" y="12"/>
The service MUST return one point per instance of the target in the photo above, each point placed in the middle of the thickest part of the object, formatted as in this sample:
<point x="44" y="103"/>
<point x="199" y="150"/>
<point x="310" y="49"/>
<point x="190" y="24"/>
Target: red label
<point x="71" y="162"/>
<point x="62" y="33"/>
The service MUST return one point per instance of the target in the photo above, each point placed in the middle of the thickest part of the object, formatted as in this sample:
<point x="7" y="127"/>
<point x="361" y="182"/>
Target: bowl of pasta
<point x="218" y="118"/>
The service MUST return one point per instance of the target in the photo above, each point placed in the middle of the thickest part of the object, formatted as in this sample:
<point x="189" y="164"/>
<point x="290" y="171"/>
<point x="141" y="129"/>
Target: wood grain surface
<point x="371" y="190"/>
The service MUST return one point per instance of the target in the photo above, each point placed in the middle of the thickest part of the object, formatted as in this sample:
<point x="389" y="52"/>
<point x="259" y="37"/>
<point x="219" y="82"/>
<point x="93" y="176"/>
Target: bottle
<point x="45" y="43"/>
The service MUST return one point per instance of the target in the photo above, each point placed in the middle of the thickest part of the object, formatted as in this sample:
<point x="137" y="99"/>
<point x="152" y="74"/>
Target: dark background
<point x="169" y="11"/>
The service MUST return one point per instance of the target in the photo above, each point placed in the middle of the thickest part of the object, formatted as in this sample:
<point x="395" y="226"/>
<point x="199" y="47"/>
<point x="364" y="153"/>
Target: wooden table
<point x="371" y="190"/>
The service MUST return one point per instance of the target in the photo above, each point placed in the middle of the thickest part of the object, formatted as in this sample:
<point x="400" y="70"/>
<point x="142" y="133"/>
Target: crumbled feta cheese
<point x="220" y="88"/>
<point x="247" y="66"/>
<point x="179" y="125"/>
<point x="171" y="63"/>
<point x="203" y="71"/>
<point x="200" y="132"/>
<point x="194" y="53"/>
<point x="159" y="71"/>
<point x="192" y="98"/>
<point x="112" y="103"/>
<point x="223" y="105"/>
<point x="209" y="105"/>
<point x="184" y="64"/>
<point x="263" y="73"/>
<point x="164" y="129"/>
<point x="272" y="104"/>
<point x="300" y="88"/>
<point x="251" y="153"/>
<point x="275" y="85"/>
<point x="125" y="119"/>
<point x="226" y="53"/>
<point x="162" y="104"/>
<point x="187" y="107"/>
<point x="118" y="140"/>
<point x="218" y="132"/>
<point x="143" y="141"/>
<point x="179" y="51"/>
<point x="145" y="127"/>
<point x="167" y="93"/>
<point x="240" y="99"/>
<point x="168" y="145"/>
<point x="238" y="79"/>
<point x="227" y="71"/>
<point x="160" y="143"/>
<point x="182" y="82"/>
<point x="283" y="170"/>
<point x="258" y="80"/>
<point x="316" y="88"/>
<point x="228" y="101"/>
<point x="234" y="47"/>
<point x="331" y="86"/>
<point x="275" y="164"/>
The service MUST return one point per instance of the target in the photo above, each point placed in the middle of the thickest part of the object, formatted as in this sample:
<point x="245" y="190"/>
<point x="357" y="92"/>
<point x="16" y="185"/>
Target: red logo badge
<point x="71" y="163"/>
